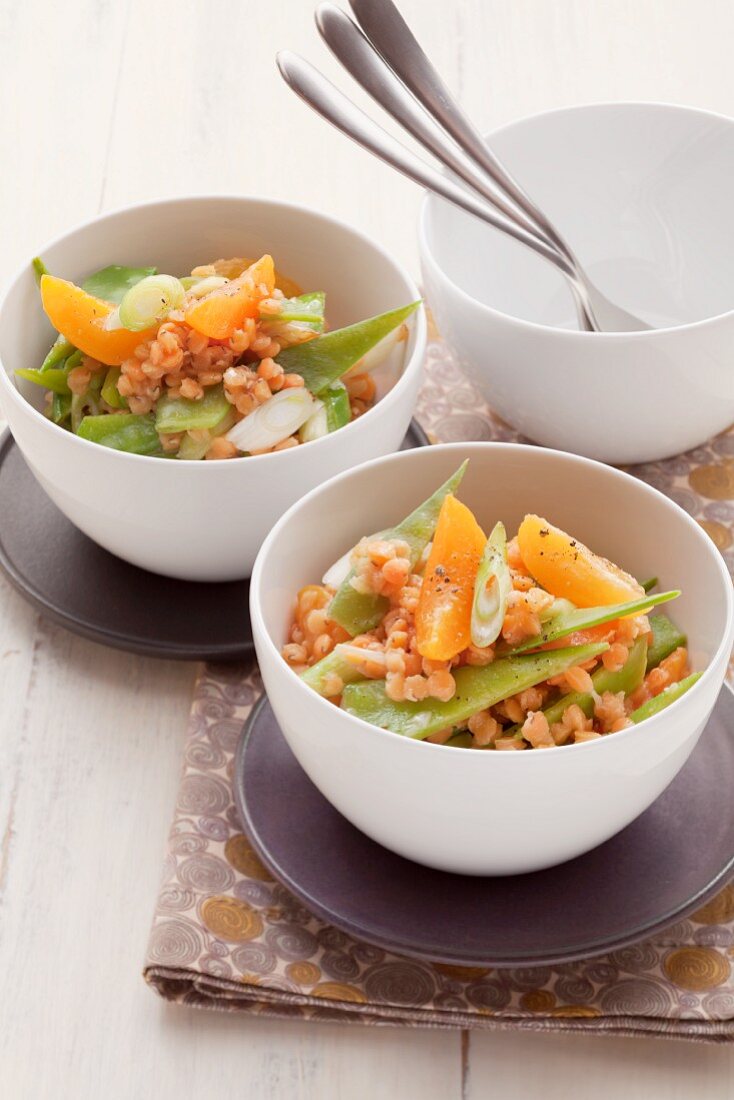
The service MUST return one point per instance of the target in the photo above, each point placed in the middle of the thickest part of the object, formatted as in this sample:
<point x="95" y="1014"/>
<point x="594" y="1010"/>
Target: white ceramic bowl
<point x="493" y="813"/>
<point x="642" y="193"/>
<point x="204" y="520"/>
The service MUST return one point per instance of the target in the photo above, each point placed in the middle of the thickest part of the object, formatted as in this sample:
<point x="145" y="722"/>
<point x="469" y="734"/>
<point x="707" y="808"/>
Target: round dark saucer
<point x="90" y="591"/>
<point x="662" y="867"/>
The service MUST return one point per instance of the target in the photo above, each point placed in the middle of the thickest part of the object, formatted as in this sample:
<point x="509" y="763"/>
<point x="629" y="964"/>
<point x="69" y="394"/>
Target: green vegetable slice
<point x="584" y="617"/>
<point x="326" y="358"/>
<point x="358" y="612"/>
<point x="491" y="590"/>
<point x="61" y="349"/>
<point x="626" y="679"/>
<point x="665" y="638"/>
<point x="195" y="449"/>
<point x="122" y="432"/>
<point x="54" y="378"/>
<point x="112" y="283"/>
<point x="39" y="268"/>
<point x="306" y="308"/>
<point x="667" y="696"/>
<point x="110" y="392"/>
<point x="476" y="688"/>
<point x="650" y="584"/>
<point x="179" y="414"/>
<point x="60" y="409"/>
<point x="333" y="664"/>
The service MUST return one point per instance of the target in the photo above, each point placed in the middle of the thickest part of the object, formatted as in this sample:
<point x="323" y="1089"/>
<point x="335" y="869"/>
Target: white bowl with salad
<point x="178" y="373"/>
<point x="490" y="666"/>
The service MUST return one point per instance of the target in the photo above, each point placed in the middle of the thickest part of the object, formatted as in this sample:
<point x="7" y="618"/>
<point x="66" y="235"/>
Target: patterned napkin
<point x="225" y="935"/>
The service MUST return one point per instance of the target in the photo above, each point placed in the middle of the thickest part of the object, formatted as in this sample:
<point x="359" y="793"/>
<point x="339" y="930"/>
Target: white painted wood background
<point x="105" y="102"/>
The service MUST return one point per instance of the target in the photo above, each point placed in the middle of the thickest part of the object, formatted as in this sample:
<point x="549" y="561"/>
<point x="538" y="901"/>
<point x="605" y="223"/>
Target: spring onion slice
<point x="316" y="426"/>
<point x="274" y="421"/>
<point x="149" y="301"/>
<point x="491" y="590"/>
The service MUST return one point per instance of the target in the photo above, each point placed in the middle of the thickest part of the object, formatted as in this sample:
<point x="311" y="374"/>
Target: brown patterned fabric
<point x="225" y="935"/>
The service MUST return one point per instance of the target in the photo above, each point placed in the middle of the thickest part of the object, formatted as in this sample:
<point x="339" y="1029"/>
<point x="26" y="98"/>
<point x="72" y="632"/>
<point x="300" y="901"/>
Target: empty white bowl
<point x="493" y="812"/>
<point x="642" y="193"/>
<point x="204" y="521"/>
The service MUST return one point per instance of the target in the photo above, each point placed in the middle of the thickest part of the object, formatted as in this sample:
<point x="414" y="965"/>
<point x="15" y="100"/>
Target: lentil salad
<point x="230" y="361"/>
<point x="433" y="631"/>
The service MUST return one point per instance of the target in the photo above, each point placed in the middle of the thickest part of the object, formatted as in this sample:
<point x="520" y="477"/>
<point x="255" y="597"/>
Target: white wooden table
<point x="104" y="104"/>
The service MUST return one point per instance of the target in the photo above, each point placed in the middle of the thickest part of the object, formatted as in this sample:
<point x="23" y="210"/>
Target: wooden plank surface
<point x="107" y="103"/>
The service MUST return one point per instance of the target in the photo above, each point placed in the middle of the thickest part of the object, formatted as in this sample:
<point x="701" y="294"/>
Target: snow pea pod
<point x="334" y="664"/>
<point x="664" y="699"/>
<point x="112" y="283"/>
<point x="61" y="349"/>
<point x="306" y="308"/>
<point x="179" y="414"/>
<point x="39" y="268"/>
<point x="60" y="408"/>
<point x="327" y="357"/>
<point x="665" y="638"/>
<point x="626" y="679"/>
<point x="581" y="618"/>
<point x="110" y="392"/>
<point x="53" y="379"/>
<point x="122" y="432"/>
<point x="194" y="449"/>
<point x="476" y="688"/>
<point x="358" y="612"/>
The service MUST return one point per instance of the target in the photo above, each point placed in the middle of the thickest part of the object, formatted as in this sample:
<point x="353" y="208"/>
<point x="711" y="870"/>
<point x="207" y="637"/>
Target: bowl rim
<point x="647" y="728"/>
<point x="411" y="367"/>
<point x="430" y="201"/>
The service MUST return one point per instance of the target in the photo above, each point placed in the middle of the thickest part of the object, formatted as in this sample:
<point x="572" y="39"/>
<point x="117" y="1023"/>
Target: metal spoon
<point x="389" y="34"/>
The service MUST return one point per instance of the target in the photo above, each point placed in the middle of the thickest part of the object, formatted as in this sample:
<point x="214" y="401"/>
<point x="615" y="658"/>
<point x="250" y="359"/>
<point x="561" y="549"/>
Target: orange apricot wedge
<point x="567" y="568"/>
<point x="443" y="615"/>
<point x="224" y="310"/>
<point x="80" y="317"/>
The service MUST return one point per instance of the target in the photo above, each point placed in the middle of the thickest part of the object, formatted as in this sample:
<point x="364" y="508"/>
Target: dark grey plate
<point x="90" y="591"/>
<point x="663" y="866"/>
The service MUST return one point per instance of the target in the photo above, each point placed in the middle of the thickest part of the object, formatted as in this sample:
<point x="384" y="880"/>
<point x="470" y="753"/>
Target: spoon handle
<point x="320" y="94"/>
<point x="385" y="27"/>
<point x="362" y="61"/>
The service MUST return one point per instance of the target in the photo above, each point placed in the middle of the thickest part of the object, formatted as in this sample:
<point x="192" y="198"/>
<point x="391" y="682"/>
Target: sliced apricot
<point x="565" y="567"/>
<point x="223" y="311"/>
<point x="443" y="615"/>
<point x="80" y="318"/>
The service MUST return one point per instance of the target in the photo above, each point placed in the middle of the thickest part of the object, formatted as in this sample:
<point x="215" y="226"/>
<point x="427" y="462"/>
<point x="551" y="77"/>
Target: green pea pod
<point x="60" y="407"/>
<point x="324" y="359"/>
<point x="53" y="379"/>
<point x="650" y="584"/>
<point x="39" y="268"/>
<point x="61" y="349"/>
<point x="492" y="587"/>
<point x="179" y="414"/>
<point x="110" y="392"/>
<point x="584" y="617"/>
<point x="195" y="449"/>
<point x="112" y="283"/>
<point x="333" y="664"/>
<point x="358" y="612"/>
<point x="476" y="688"/>
<point x="461" y="740"/>
<point x="665" y="638"/>
<point x="336" y="403"/>
<point x="667" y="696"/>
<point x="626" y="679"/>
<point x="122" y="432"/>
<point x="307" y="309"/>
<point x="74" y="360"/>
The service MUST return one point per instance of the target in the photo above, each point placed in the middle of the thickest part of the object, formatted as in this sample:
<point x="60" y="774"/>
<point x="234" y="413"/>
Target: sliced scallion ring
<point x="274" y="421"/>
<point x="491" y="590"/>
<point x="150" y="301"/>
